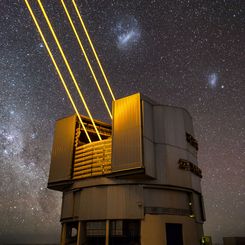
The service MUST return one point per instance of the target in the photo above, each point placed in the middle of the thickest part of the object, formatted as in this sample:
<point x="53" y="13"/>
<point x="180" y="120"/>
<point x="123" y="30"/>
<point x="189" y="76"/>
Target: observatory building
<point x="140" y="184"/>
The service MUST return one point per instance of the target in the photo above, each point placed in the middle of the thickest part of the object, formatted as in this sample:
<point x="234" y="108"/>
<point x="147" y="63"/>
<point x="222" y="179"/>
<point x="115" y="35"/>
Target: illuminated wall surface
<point x="140" y="184"/>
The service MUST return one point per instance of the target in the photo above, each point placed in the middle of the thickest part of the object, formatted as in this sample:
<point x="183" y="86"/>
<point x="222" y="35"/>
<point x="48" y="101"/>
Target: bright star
<point x="41" y="45"/>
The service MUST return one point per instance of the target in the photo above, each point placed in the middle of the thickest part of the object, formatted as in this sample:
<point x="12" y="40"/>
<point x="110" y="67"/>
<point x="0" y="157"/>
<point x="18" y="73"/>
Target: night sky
<point x="187" y="53"/>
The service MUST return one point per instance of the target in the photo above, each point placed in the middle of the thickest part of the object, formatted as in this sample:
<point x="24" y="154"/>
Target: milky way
<point x="182" y="53"/>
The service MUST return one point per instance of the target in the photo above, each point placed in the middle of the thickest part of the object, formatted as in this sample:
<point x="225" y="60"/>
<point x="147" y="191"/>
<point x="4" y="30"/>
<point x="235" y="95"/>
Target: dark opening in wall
<point x="174" y="234"/>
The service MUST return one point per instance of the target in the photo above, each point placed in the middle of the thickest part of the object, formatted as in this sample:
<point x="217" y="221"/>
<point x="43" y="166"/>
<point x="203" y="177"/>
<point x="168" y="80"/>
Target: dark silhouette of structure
<point x="140" y="184"/>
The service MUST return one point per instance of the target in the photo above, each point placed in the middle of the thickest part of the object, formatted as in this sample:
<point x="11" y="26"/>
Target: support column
<point x="107" y="227"/>
<point x="81" y="233"/>
<point x="63" y="234"/>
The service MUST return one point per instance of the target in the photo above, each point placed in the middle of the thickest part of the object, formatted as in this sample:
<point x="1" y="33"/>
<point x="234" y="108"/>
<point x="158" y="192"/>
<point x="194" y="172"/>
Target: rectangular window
<point x="116" y="228"/>
<point x="121" y="232"/>
<point x="95" y="228"/>
<point x="124" y="232"/>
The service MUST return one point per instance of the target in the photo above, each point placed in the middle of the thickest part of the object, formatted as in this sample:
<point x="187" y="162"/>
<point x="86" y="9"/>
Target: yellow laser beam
<point x="92" y="47"/>
<point x="56" y="67"/>
<point x="86" y="57"/>
<point x="68" y="66"/>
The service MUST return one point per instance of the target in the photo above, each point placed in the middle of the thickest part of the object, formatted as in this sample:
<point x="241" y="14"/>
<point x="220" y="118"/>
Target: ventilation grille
<point x="170" y="211"/>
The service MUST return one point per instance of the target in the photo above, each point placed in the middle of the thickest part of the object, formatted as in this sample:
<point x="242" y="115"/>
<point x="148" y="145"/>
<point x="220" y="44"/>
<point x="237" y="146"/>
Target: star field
<point x="179" y="52"/>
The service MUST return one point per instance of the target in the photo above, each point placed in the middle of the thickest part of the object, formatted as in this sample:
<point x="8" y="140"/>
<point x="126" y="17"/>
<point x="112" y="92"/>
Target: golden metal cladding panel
<point x="127" y="134"/>
<point x="62" y="152"/>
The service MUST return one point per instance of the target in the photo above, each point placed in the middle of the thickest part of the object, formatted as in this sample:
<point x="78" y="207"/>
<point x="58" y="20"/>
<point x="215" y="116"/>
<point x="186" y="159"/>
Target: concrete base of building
<point x="153" y="229"/>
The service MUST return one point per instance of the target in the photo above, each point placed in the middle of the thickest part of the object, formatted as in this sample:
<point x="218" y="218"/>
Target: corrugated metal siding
<point x="147" y="119"/>
<point x="127" y="134"/>
<point x="166" y="198"/>
<point x="67" y="205"/>
<point x="197" y="206"/>
<point x="62" y="152"/>
<point x="148" y="139"/>
<point x="92" y="159"/>
<point x="111" y="202"/>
